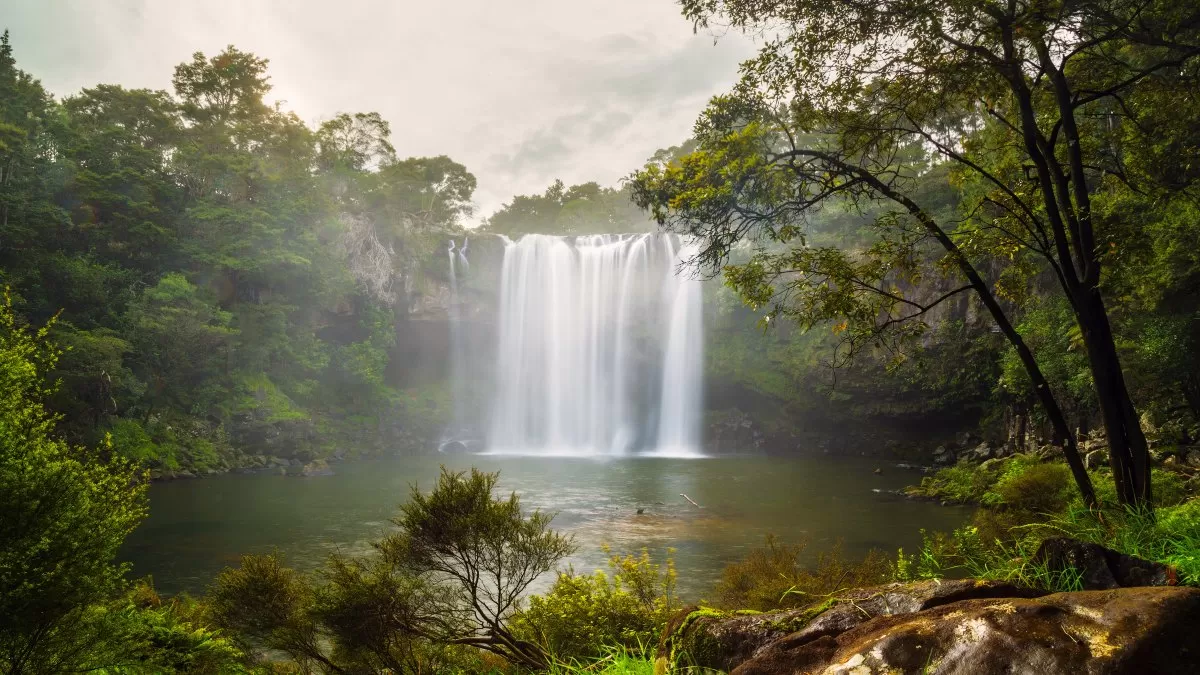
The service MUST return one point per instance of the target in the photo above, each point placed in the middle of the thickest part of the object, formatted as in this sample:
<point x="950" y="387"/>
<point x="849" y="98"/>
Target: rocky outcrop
<point x="969" y="449"/>
<point x="731" y="431"/>
<point x="317" y="467"/>
<point x="718" y="640"/>
<point x="961" y="626"/>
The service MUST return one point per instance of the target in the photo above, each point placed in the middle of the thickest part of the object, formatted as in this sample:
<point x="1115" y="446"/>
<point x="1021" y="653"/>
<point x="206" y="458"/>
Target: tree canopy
<point x="226" y="275"/>
<point x="1032" y="110"/>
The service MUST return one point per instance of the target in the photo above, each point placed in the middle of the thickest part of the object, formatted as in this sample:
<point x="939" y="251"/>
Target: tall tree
<point x="355" y="142"/>
<point x="28" y="213"/>
<point x="854" y="101"/>
<point x="123" y="196"/>
<point x="586" y="208"/>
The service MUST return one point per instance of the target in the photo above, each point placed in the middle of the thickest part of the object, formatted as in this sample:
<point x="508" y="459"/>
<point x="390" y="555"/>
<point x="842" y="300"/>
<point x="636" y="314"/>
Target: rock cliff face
<point x="950" y="626"/>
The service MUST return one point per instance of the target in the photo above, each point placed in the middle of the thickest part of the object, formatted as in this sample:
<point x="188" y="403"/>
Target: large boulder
<point x="721" y="640"/>
<point x="982" y="452"/>
<point x="1101" y="568"/>
<point x="942" y="456"/>
<point x="962" y="628"/>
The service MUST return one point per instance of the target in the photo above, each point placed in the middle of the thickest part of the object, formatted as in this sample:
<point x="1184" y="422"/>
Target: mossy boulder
<point x="912" y="628"/>
<point x="721" y="640"/>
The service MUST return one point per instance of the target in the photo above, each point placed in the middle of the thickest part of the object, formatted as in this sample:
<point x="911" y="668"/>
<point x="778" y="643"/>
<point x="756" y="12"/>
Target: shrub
<point x="583" y="615"/>
<point x="131" y="440"/>
<point x="1031" y="486"/>
<point x="268" y="606"/>
<point x="172" y="636"/>
<point x="478" y="547"/>
<point x="64" y="512"/>
<point x="452" y="578"/>
<point x="774" y="576"/>
<point x="1170" y="488"/>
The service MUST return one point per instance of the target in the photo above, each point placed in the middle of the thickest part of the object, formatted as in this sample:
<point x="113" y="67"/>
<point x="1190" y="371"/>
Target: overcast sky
<point x="521" y="92"/>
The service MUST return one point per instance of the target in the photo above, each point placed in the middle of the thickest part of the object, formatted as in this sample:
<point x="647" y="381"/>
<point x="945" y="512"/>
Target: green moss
<point x="261" y="396"/>
<point x="683" y="647"/>
<point x="795" y="623"/>
<point x="960" y="484"/>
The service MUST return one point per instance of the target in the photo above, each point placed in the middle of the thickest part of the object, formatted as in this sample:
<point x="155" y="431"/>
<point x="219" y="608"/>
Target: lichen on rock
<point x="951" y="626"/>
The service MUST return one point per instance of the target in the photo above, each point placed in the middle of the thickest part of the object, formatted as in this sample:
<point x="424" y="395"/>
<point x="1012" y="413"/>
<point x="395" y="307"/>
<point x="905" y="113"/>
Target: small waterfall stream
<point x="459" y="425"/>
<point x="600" y="349"/>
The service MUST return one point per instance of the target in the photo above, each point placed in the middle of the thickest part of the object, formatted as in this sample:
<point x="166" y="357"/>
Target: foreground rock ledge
<point x="953" y="626"/>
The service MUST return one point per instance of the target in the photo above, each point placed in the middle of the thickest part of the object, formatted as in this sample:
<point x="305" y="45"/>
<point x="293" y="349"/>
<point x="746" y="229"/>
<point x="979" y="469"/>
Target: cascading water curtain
<point x="600" y="348"/>
<point x="460" y="425"/>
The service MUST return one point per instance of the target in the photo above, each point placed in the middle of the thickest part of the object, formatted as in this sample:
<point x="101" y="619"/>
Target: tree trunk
<point x="1041" y="388"/>
<point x="1128" y="453"/>
<point x="1022" y="427"/>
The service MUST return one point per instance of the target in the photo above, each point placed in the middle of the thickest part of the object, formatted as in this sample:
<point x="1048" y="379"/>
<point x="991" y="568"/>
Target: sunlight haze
<point x="521" y="93"/>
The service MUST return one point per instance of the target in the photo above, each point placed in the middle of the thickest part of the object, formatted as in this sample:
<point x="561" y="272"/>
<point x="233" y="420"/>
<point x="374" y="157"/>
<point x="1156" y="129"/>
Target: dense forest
<point x="224" y="279"/>
<point x="961" y="237"/>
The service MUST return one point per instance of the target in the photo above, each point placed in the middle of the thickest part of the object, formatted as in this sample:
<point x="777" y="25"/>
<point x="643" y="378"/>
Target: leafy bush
<point x="131" y="440"/>
<point x="1170" y="488"/>
<point x="267" y="606"/>
<point x="64" y="512"/>
<point x="172" y="636"/>
<point x="452" y="578"/>
<point x="775" y="576"/>
<point x="1031" y="486"/>
<point x="584" y="615"/>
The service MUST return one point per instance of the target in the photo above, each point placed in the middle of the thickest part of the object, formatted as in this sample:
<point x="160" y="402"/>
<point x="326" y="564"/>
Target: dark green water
<point x="197" y="527"/>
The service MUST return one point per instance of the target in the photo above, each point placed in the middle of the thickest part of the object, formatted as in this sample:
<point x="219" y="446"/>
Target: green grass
<point x="616" y="661"/>
<point x="1170" y="536"/>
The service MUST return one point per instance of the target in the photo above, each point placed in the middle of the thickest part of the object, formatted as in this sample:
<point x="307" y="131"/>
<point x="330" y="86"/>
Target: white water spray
<point x="600" y="348"/>
<point x="458" y="349"/>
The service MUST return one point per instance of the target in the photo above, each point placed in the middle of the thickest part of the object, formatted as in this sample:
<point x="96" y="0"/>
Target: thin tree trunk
<point x="1022" y="426"/>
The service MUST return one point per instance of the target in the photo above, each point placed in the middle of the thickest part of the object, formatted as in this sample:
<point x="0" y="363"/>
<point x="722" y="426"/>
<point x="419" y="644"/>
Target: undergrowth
<point x="1170" y="536"/>
<point x="583" y="617"/>
<point x="616" y="660"/>
<point x="777" y="576"/>
<point x="1025" y="500"/>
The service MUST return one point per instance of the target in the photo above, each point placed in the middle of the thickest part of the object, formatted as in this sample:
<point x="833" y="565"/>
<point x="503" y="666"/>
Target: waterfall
<point x="600" y="349"/>
<point x="460" y="424"/>
<point x="682" y="383"/>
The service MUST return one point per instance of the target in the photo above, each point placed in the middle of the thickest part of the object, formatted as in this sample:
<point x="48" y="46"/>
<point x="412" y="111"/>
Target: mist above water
<point x="600" y="348"/>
